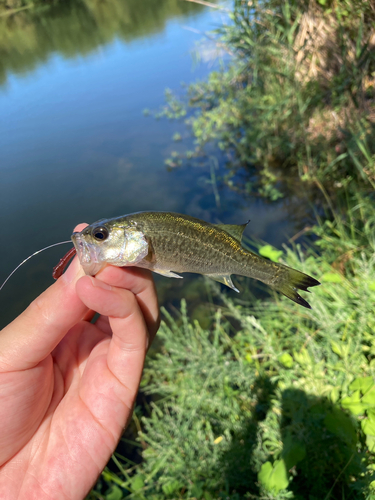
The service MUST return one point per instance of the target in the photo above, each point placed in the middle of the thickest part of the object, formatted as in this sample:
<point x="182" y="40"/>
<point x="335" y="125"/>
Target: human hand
<point x="67" y="386"/>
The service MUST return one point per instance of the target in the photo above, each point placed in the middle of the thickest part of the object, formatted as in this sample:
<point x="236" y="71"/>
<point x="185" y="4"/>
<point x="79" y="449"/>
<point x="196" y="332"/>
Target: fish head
<point x="104" y="243"/>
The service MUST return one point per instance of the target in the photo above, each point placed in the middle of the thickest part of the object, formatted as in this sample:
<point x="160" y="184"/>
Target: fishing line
<point x="32" y="255"/>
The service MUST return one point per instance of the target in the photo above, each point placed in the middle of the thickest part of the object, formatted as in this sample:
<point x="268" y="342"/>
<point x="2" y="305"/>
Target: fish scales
<point x="194" y="247"/>
<point x="169" y="243"/>
<point x="195" y="244"/>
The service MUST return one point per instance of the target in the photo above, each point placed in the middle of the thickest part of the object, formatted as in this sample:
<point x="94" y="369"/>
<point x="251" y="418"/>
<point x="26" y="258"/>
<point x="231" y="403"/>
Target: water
<point x="74" y="144"/>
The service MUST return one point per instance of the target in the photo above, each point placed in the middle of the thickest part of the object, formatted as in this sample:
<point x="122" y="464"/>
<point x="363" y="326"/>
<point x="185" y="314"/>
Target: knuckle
<point x="128" y="304"/>
<point x="38" y="309"/>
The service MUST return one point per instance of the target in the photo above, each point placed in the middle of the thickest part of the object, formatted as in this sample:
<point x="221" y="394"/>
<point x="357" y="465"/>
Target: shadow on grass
<point x="333" y="467"/>
<point x="321" y="456"/>
<point x="238" y="463"/>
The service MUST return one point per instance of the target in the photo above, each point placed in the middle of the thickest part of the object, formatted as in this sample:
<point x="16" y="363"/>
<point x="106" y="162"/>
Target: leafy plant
<point x="297" y="96"/>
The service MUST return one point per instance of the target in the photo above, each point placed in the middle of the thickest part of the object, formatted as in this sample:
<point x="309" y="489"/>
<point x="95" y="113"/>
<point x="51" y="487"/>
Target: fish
<point x="168" y="243"/>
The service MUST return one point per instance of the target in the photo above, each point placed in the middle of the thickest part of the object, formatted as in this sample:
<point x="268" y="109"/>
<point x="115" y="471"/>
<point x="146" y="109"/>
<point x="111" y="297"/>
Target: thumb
<point x="35" y="333"/>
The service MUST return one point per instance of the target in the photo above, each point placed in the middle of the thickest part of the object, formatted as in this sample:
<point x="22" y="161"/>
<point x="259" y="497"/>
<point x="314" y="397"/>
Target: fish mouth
<point x="88" y="255"/>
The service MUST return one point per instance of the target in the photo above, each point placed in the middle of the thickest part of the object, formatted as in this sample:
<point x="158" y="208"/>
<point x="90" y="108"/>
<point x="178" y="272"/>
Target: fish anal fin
<point x="235" y="230"/>
<point x="167" y="274"/>
<point x="225" y="279"/>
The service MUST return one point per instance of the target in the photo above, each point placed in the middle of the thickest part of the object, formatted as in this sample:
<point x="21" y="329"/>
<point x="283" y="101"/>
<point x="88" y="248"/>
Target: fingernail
<point x="74" y="271"/>
<point x="100" y="284"/>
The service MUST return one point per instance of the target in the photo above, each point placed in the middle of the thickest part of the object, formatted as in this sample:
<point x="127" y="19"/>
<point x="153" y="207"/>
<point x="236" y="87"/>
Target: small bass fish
<point x="169" y="243"/>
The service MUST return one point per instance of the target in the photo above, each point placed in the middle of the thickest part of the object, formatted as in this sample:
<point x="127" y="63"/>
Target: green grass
<point x="271" y="401"/>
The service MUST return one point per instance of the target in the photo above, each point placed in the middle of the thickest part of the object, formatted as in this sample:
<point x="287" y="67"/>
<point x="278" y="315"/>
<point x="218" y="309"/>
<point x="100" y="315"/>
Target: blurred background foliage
<point x="296" y="98"/>
<point x="75" y="27"/>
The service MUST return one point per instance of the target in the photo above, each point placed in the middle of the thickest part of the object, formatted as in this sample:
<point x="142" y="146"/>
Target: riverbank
<point x="271" y="401"/>
<point x="295" y="100"/>
<point x="265" y="400"/>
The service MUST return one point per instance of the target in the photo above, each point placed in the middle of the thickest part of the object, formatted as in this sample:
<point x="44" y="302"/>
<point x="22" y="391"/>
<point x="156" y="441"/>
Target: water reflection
<point x="77" y="27"/>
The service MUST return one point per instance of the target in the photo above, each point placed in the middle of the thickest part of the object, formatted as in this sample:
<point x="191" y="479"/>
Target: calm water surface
<point x="74" y="144"/>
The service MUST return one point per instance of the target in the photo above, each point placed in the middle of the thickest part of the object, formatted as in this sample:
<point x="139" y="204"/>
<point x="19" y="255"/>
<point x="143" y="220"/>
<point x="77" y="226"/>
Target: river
<point x="75" y="145"/>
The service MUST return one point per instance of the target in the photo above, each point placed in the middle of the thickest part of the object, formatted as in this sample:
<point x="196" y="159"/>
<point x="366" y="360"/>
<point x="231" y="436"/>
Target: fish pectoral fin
<point x="225" y="279"/>
<point x="167" y="274"/>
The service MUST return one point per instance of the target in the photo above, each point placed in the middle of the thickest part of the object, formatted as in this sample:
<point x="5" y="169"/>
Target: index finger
<point x="33" y="335"/>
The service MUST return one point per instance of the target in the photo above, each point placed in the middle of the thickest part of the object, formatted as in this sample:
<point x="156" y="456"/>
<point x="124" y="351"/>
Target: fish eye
<point x="100" y="233"/>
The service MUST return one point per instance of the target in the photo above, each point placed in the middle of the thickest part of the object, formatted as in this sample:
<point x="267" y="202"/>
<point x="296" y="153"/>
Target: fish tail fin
<point x="292" y="281"/>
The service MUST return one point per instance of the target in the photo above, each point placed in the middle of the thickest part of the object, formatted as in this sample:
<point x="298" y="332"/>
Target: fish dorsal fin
<point x="235" y="230"/>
